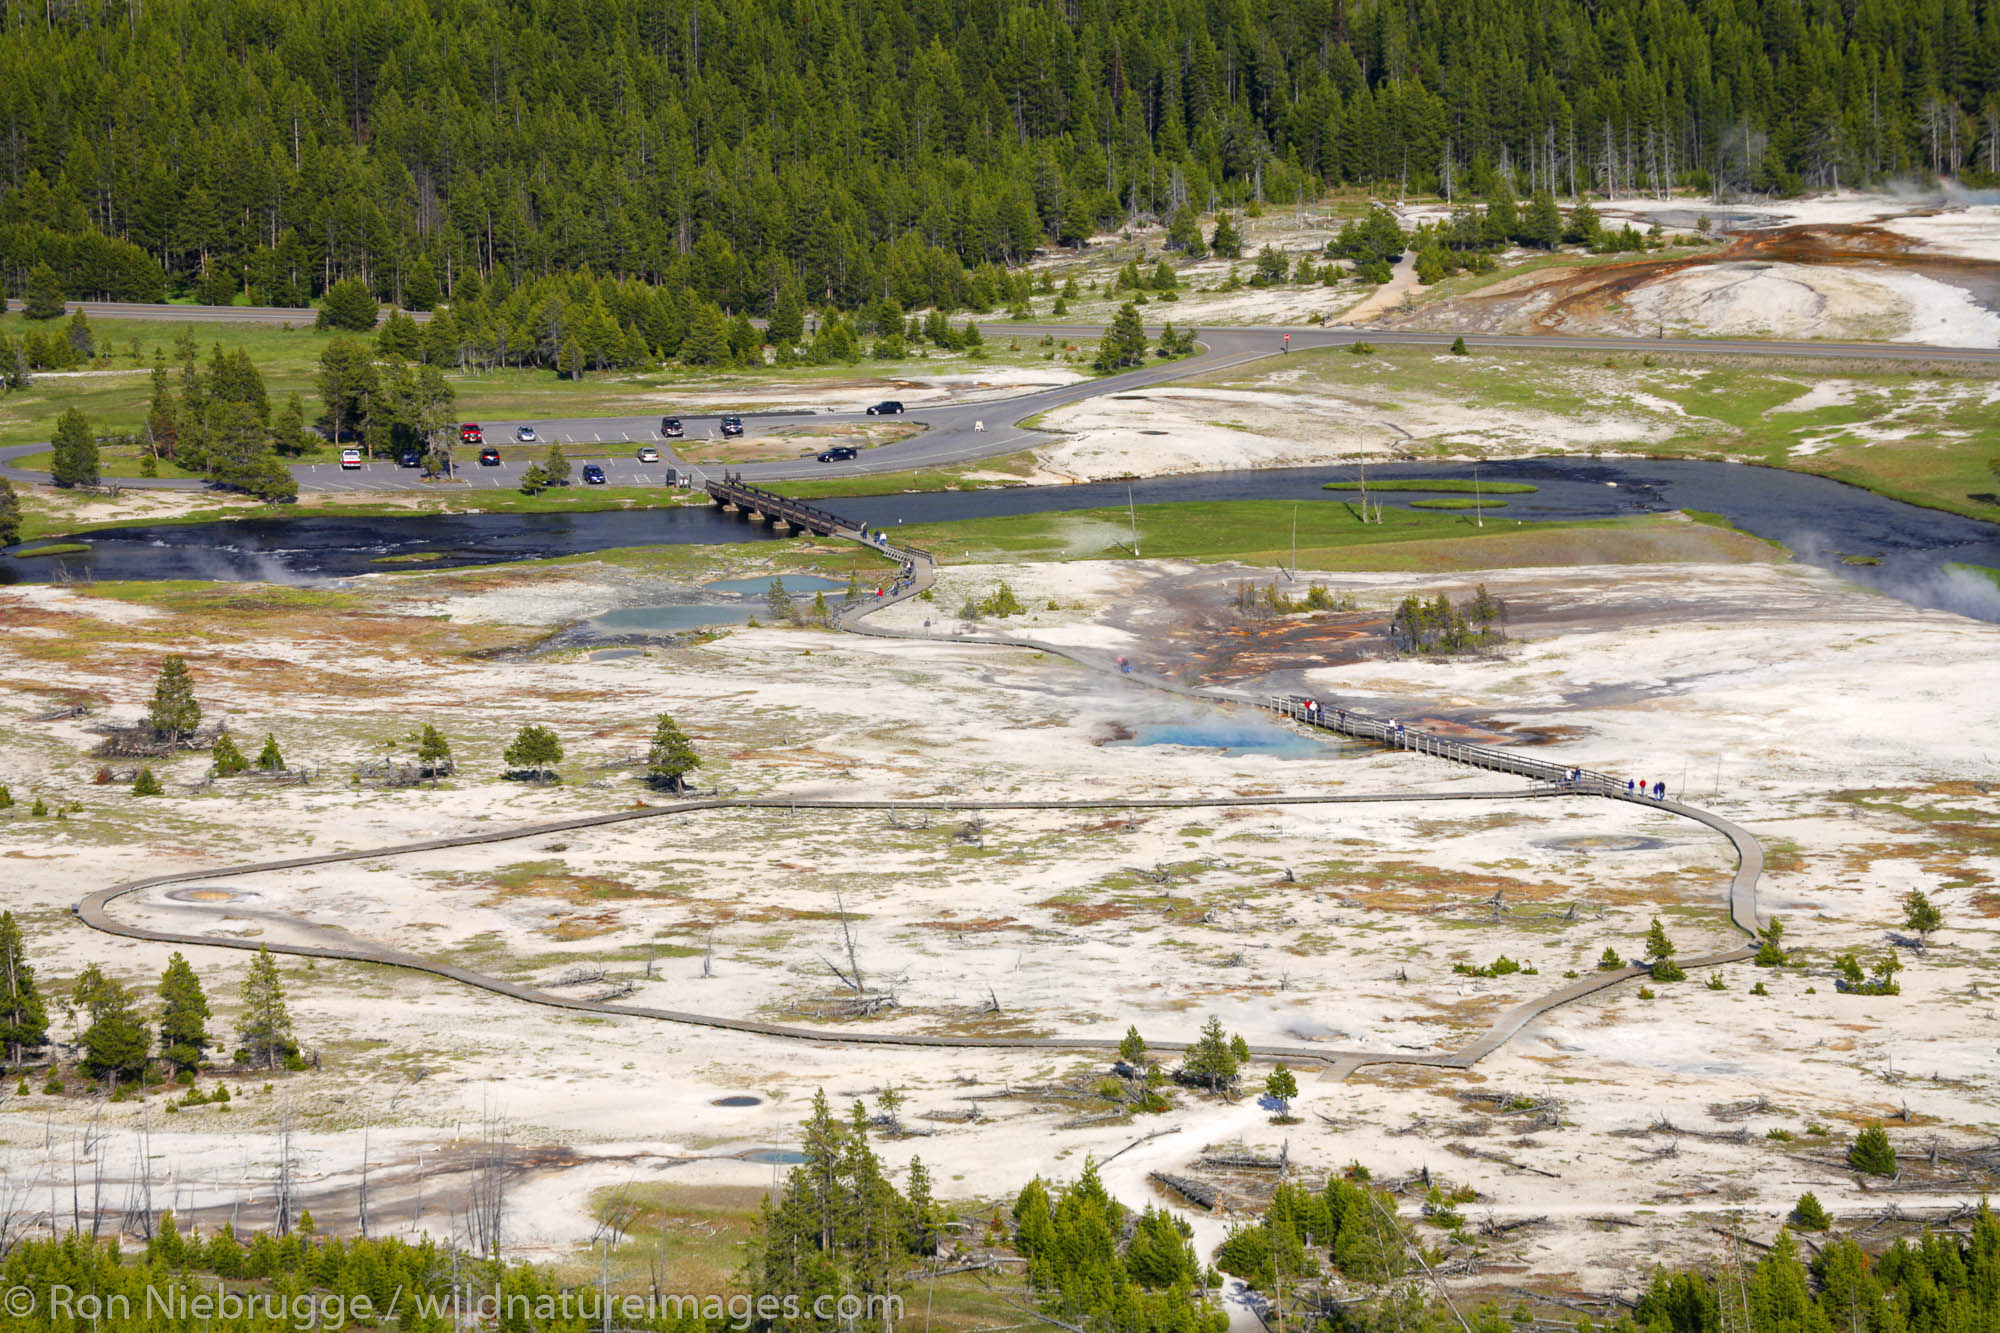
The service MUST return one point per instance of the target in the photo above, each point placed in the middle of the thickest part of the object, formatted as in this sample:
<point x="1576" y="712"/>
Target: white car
<point x="648" y="454"/>
<point x="524" y="434"/>
<point x="350" y="458"/>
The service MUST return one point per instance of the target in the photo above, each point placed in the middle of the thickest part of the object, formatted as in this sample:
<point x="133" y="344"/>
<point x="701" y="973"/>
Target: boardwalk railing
<point x="1394" y="734"/>
<point x="750" y="499"/>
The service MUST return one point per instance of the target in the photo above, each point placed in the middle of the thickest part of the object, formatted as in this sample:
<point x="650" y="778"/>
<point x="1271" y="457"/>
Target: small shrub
<point x="1808" y="1215"/>
<point x="1668" y="970"/>
<point x="146" y="784"/>
<point x="1645" y="992"/>
<point x="53" y="1087"/>
<point x="229" y="760"/>
<point x="1500" y="967"/>
<point x="1715" y="982"/>
<point x="1871" y="1153"/>
<point x="1758" y="989"/>
<point x="1609" y="961"/>
<point x="1781" y="1134"/>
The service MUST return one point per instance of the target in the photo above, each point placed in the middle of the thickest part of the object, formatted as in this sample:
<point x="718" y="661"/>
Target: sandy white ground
<point x="1782" y="685"/>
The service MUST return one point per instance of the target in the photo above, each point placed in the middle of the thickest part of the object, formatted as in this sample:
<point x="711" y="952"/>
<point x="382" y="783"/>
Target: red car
<point x="469" y="433"/>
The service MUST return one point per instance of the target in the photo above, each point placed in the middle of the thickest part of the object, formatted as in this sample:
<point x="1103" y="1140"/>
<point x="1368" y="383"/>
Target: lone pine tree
<point x="266" y="1025"/>
<point x="174" y="715"/>
<point x="114" y="1042"/>
<point x="183" y="1015"/>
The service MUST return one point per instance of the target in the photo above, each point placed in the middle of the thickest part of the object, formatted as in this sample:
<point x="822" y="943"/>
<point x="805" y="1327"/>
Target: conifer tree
<point x="270" y="759"/>
<point x="1282" y="1085"/>
<point x="24" y="1018"/>
<point x="1124" y="342"/>
<point x="175" y="715"/>
<point x="229" y="760"/>
<point x="1132" y="1047"/>
<point x="672" y="756"/>
<point x="145" y="784"/>
<point x="433" y="752"/>
<point x="535" y="749"/>
<point x="114" y="1042"/>
<point x="1921" y="916"/>
<point x="265" y="1027"/>
<point x="73" y="460"/>
<point x="10" y="514"/>
<point x="1209" y="1061"/>
<point x="1226" y="242"/>
<point x="183" y="1015"/>
<point x="1660" y="952"/>
<point x="43" y="297"/>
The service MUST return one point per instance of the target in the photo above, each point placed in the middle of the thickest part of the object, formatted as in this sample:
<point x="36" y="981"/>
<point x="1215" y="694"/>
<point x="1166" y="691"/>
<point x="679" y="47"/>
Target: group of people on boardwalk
<point x="1316" y="712"/>
<point x="1312" y="710"/>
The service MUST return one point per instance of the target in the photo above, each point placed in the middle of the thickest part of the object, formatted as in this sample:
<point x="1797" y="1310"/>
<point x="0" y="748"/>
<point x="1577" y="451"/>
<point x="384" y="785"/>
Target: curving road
<point x="94" y="910"/>
<point x="952" y="433"/>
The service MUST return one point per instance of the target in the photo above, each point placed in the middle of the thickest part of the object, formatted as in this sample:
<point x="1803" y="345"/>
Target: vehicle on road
<point x="350" y="458"/>
<point x="524" y="434"/>
<point x="887" y="408"/>
<point x="593" y="475"/>
<point x="648" y="454"/>
<point x="469" y="433"/>
<point x="840" y="453"/>
<point x="489" y="457"/>
<point x="410" y="458"/>
<point x="670" y="427"/>
<point x="732" y="426"/>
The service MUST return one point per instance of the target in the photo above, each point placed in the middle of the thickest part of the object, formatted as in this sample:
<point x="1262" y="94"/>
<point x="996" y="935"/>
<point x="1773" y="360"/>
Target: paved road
<point x="954" y="434"/>
<point x="94" y="909"/>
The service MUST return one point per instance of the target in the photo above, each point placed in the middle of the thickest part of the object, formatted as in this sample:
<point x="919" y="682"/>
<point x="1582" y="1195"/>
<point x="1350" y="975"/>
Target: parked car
<point x="593" y="475"/>
<point x="887" y="408"/>
<point x="350" y="458"/>
<point x="840" y="453"/>
<point x="469" y="433"/>
<point x="670" y="427"/>
<point x="410" y="458"/>
<point x="524" y="434"/>
<point x="489" y="457"/>
<point x="732" y="426"/>
<point x="648" y="454"/>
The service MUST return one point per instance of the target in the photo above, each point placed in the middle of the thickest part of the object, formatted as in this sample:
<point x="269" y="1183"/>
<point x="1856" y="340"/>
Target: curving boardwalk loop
<point x="1551" y="781"/>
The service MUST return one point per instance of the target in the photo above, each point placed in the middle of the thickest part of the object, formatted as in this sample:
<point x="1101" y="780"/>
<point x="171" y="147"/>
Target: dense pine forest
<point x="268" y="148"/>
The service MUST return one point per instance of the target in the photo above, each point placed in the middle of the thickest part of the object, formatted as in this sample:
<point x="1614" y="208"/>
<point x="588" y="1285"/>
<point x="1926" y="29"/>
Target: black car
<point x="670" y="427"/>
<point x="840" y="453"/>
<point x="732" y="426"/>
<point x="489" y="457"/>
<point x="888" y="408"/>
<point x="409" y="458"/>
<point x="593" y="475"/>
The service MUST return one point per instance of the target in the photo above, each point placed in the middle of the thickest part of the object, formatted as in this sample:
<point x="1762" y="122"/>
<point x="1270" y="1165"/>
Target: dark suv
<point x="593" y="475"/>
<point x="670" y="427"/>
<point x="489" y="457"/>
<point x="732" y="426"/>
<point x="409" y="458"/>
<point x="840" y="453"/>
<point x="889" y="408"/>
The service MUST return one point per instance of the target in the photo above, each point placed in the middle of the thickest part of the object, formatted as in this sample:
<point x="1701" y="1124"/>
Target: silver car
<point x="524" y="434"/>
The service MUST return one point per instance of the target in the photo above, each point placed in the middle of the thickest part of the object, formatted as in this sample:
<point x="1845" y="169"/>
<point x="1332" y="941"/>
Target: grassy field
<point x="1330" y="536"/>
<point x="1920" y="433"/>
<point x="116" y="390"/>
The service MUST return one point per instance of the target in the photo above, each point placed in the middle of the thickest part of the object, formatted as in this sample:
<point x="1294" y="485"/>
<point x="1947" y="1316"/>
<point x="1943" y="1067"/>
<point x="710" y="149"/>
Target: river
<point x="1819" y="520"/>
